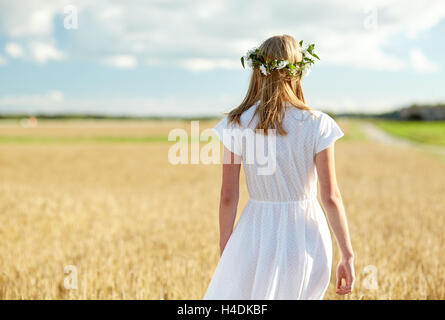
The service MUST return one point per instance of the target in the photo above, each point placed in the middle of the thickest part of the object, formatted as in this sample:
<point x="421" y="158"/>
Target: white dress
<point x="280" y="247"/>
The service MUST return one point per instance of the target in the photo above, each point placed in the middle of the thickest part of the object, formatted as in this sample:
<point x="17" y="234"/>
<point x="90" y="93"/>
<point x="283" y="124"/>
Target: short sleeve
<point x="328" y="132"/>
<point x="229" y="135"/>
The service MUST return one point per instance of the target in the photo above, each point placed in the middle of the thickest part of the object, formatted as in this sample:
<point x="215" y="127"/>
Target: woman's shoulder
<point x="312" y="119"/>
<point x="323" y="118"/>
<point x="310" y="115"/>
<point x="247" y="117"/>
<point x="314" y="115"/>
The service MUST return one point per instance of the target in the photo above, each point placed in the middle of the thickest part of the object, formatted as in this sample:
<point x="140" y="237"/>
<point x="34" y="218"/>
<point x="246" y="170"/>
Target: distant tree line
<point x="65" y="116"/>
<point x="413" y="112"/>
<point x="417" y="112"/>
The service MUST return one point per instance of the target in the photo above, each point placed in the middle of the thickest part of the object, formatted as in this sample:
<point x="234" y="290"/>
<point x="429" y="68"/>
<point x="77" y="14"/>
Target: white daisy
<point x="263" y="70"/>
<point x="306" y="71"/>
<point x="282" y="64"/>
<point x="247" y="60"/>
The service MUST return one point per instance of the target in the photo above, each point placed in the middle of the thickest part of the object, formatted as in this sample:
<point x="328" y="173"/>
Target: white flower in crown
<point x="251" y="51"/>
<point x="247" y="57"/>
<point x="263" y="70"/>
<point x="306" y="71"/>
<point x="282" y="64"/>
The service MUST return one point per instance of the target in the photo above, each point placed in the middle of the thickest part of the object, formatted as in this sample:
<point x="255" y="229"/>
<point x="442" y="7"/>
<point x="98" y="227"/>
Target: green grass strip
<point x="430" y="132"/>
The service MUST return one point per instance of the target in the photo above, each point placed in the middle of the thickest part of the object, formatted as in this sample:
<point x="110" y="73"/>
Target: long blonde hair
<point x="274" y="90"/>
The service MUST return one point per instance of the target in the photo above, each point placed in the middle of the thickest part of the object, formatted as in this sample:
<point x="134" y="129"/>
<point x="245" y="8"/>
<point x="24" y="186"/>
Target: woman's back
<point x="287" y="171"/>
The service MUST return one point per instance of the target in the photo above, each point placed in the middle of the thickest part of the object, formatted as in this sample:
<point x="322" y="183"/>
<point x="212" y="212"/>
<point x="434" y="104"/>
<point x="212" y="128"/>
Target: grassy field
<point x="137" y="227"/>
<point x="431" y="132"/>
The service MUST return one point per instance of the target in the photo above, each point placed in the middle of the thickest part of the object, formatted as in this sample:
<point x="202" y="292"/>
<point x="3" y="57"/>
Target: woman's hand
<point x="345" y="270"/>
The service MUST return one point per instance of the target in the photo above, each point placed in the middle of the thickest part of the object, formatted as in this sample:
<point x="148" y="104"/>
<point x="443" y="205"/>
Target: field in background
<point x="431" y="132"/>
<point x="137" y="227"/>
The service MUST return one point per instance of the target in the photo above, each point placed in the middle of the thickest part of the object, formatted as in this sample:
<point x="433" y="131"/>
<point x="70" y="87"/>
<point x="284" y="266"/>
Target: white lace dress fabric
<point x="280" y="247"/>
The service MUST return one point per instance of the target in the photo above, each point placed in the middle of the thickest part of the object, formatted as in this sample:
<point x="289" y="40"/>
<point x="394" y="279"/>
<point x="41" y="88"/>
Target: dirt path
<point x="374" y="133"/>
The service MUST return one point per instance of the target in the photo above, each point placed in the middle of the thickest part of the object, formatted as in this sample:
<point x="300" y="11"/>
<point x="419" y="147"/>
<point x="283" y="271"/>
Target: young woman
<point x="281" y="246"/>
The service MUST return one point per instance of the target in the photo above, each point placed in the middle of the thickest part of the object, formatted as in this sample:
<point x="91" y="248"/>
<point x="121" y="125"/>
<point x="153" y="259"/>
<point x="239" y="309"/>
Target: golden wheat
<point x="136" y="227"/>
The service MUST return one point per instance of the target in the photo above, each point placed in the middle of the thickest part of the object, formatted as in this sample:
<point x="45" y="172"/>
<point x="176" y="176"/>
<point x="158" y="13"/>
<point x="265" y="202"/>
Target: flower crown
<point x="255" y="59"/>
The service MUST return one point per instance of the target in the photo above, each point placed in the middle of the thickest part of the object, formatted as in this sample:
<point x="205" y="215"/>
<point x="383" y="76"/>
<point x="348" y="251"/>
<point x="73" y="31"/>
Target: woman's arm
<point x="335" y="211"/>
<point x="229" y="196"/>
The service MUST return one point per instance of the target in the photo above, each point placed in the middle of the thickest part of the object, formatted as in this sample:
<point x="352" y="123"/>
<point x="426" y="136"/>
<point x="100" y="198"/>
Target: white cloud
<point x="203" y="35"/>
<point x="123" y="61"/>
<point x="420" y="62"/>
<point x="43" y="52"/>
<point x="194" y="33"/>
<point x="14" y="50"/>
<point x="366" y="55"/>
<point x="198" y="64"/>
<point x="413" y="17"/>
<point x="28" y="18"/>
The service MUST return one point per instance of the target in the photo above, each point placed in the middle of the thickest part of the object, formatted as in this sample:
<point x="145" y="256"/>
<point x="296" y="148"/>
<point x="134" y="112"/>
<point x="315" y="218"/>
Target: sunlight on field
<point x="137" y="227"/>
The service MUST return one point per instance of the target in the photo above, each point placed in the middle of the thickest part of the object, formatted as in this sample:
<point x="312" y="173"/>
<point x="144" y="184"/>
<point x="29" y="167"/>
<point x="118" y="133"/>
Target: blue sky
<point x="175" y="57"/>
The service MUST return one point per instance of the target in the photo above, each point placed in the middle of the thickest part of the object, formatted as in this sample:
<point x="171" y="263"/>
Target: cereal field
<point x="102" y="198"/>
